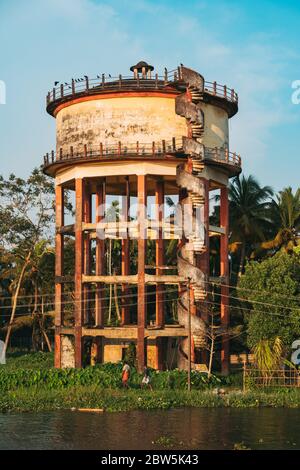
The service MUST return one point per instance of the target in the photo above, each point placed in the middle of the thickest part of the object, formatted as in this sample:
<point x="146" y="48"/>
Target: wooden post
<point x="224" y="271"/>
<point x="142" y="243"/>
<point x="59" y="268"/>
<point x="79" y="188"/>
<point x="100" y="214"/>
<point x="125" y="310"/>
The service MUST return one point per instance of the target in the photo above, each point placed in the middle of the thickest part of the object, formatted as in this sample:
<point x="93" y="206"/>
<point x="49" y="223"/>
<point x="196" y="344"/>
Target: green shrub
<point x="103" y="376"/>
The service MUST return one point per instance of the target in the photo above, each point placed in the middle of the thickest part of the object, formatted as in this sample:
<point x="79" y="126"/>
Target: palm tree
<point x="249" y="210"/>
<point x="286" y="221"/>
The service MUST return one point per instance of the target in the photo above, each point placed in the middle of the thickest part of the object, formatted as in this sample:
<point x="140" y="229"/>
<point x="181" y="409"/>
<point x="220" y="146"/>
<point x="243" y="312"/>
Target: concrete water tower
<point x="141" y="138"/>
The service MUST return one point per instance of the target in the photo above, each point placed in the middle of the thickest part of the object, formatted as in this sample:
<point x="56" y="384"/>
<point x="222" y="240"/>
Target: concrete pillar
<point x="125" y="310"/>
<point x="159" y="252"/>
<point x="59" y="268"/>
<point x="79" y="189"/>
<point x="142" y="244"/>
<point x="87" y="218"/>
<point x="224" y="271"/>
<point x="100" y="294"/>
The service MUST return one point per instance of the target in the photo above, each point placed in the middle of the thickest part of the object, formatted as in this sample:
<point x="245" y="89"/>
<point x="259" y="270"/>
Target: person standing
<point x="146" y="381"/>
<point x="125" y="374"/>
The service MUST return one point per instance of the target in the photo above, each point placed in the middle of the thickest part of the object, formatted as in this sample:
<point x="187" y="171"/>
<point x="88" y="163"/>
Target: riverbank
<point x="43" y="399"/>
<point x="30" y="383"/>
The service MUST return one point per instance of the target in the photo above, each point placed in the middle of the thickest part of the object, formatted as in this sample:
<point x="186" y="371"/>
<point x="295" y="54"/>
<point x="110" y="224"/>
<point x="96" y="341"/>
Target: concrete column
<point x="59" y="268"/>
<point x="142" y="243"/>
<point x="87" y="218"/>
<point x="159" y="261"/>
<point x="100" y="214"/>
<point x="79" y="189"/>
<point x="159" y="247"/>
<point x="224" y="271"/>
<point x="125" y="310"/>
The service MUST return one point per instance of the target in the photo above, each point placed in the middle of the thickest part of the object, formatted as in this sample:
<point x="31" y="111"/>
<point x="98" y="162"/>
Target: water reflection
<point x="188" y="428"/>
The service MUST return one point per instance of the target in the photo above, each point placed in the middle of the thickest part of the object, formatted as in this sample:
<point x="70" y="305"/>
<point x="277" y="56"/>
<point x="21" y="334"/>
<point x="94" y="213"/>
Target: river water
<point x="203" y="428"/>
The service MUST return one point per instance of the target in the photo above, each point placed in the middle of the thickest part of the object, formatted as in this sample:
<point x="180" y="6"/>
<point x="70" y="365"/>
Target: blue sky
<point x="252" y="46"/>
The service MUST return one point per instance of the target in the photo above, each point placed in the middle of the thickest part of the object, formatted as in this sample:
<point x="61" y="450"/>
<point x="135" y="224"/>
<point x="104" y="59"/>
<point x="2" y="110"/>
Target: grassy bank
<point x="42" y="399"/>
<point x="30" y="383"/>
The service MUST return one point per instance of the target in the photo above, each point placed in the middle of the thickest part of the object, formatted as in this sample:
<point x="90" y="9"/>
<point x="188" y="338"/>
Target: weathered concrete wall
<point x="216" y="132"/>
<point x="127" y="119"/>
<point x="67" y="352"/>
<point x="113" y="352"/>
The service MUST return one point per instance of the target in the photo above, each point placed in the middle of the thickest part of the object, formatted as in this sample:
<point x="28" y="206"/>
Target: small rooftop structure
<point x="143" y="68"/>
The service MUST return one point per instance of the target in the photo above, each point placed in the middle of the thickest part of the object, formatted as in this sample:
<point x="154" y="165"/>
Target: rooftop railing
<point x="121" y="150"/>
<point x="89" y="86"/>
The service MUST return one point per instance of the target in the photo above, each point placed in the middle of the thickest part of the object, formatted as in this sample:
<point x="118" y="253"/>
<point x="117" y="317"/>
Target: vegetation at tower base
<point x="103" y="376"/>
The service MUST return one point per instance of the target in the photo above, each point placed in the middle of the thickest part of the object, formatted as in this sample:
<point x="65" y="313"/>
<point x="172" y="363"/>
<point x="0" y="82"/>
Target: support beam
<point x="142" y="243"/>
<point x="100" y="214"/>
<point x="59" y="268"/>
<point x="125" y="310"/>
<point x="170" y="279"/>
<point x="224" y="271"/>
<point x="79" y="193"/>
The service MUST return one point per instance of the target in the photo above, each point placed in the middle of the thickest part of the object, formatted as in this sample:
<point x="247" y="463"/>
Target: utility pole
<point x="189" y="334"/>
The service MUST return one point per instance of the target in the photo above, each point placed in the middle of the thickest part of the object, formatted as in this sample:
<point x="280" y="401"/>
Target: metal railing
<point x="88" y="86"/>
<point x="121" y="150"/>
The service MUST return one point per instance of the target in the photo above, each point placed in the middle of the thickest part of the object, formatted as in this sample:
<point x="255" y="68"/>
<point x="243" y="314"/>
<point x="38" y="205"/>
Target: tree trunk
<point x="242" y="259"/>
<point x="15" y="301"/>
<point x="45" y="336"/>
<point x="117" y="302"/>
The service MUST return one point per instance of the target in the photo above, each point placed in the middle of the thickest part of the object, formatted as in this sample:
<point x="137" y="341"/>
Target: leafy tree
<point x="26" y="214"/>
<point x="249" y="212"/>
<point x="272" y="289"/>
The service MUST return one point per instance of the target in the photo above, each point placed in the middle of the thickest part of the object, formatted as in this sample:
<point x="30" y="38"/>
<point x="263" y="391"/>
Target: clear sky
<point x="252" y="46"/>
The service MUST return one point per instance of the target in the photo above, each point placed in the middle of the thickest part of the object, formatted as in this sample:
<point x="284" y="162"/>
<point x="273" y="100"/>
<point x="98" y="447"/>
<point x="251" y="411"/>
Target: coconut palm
<point x="249" y="210"/>
<point x="286" y="220"/>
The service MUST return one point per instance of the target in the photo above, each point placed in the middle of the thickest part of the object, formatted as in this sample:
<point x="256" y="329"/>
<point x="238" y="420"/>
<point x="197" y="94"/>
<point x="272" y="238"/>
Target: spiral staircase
<point x="190" y="181"/>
